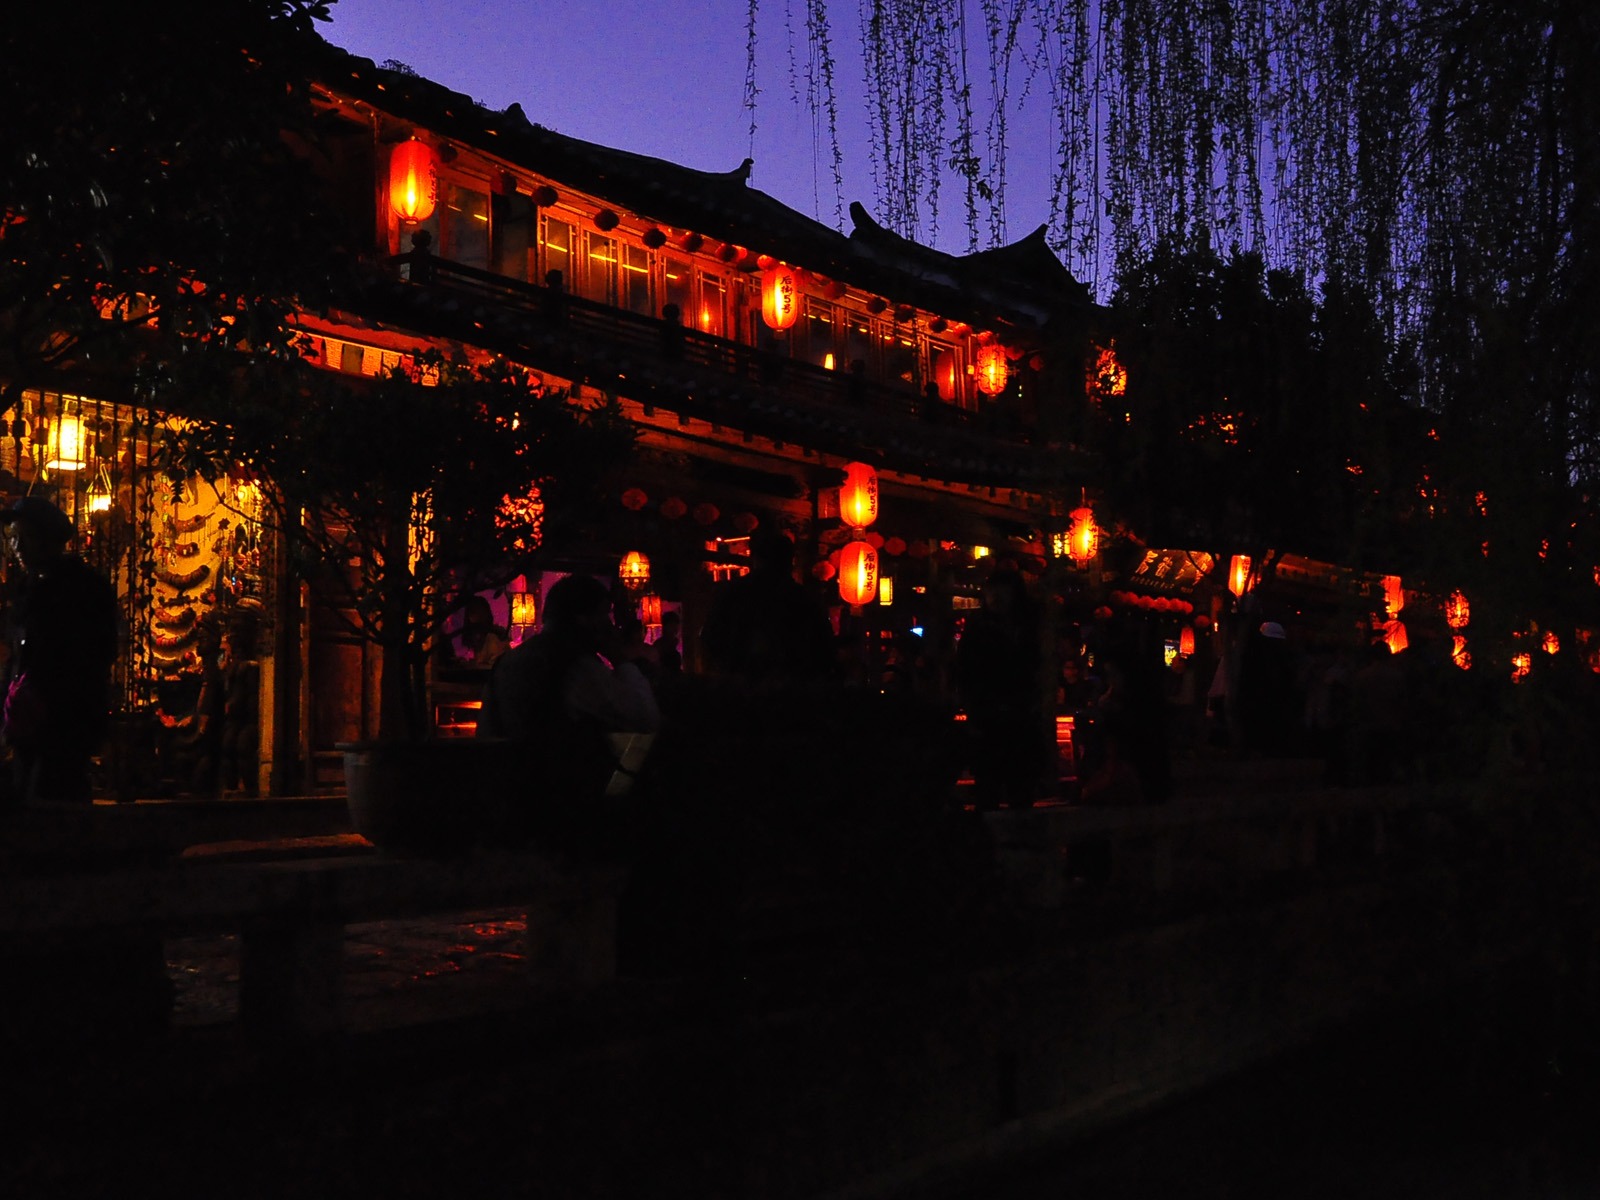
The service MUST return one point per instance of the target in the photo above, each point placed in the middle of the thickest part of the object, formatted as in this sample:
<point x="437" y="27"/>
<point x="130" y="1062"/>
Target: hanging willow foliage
<point x="1437" y="155"/>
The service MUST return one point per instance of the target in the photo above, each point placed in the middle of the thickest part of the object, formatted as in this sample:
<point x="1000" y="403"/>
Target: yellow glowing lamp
<point x="99" y="494"/>
<point x="634" y="570"/>
<point x="66" y="445"/>
<point x="858" y="573"/>
<point x="858" y="496"/>
<point x="413" y="180"/>
<point x="524" y="609"/>
<point x="991" y="369"/>
<point x="1457" y="612"/>
<point x="780" y="297"/>
<point x="1084" y="537"/>
<point x="886" y="590"/>
<point x="1239" y="574"/>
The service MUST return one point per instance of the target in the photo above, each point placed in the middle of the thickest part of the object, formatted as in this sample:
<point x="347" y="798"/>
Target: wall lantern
<point x="413" y="180"/>
<point x="858" y="574"/>
<point x="1457" y="612"/>
<point x="1239" y="574"/>
<point x="1186" y="641"/>
<point x="991" y="369"/>
<point x="886" y="590"/>
<point x="858" y="496"/>
<point x="780" y="297"/>
<point x="1083" y="539"/>
<point x="634" y="571"/>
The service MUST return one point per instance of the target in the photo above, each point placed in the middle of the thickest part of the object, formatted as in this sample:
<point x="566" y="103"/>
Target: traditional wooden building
<point x="758" y="352"/>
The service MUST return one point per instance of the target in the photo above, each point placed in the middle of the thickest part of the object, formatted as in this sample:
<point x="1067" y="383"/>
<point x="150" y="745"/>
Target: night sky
<point x="664" y="79"/>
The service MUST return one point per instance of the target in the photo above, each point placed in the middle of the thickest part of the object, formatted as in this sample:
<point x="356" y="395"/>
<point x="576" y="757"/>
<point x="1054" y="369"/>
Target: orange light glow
<point x="1084" y="537"/>
<point x="858" y="573"/>
<point x="858" y="496"/>
<point x="1459" y="654"/>
<point x="1521" y="664"/>
<point x="1551" y="644"/>
<point x="991" y="369"/>
<point x="944" y="374"/>
<point x="1110" y="376"/>
<point x="1394" y="596"/>
<point x="1186" y="641"/>
<point x="634" y="570"/>
<point x="1239" y="574"/>
<point x="1394" y="635"/>
<point x="413" y="180"/>
<point x="780" y="297"/>
<point x="1457" y="612"/>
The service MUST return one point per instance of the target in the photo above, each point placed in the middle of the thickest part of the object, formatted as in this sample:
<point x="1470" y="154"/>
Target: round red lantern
<point x="858" y="573"/>
<point x="858" y="496"/>
<point x="780" y="297"/>
<point x="672" y="508"/>
<point x="634" y="499"/>
<point x="745" y="522"/>
<point x="895" y="546"/>
<point x="634" y="570"/>
<point x="706" y="513"/>
<point x="413" y="180"/>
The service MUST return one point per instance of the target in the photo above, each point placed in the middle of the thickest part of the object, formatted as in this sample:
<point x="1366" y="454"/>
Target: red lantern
<point x="780" y="297"/>
<point x="895" y="546"/>
<point x="1394" y="596"/>
<point x="745" y="522"/>
<point x="672" y="508"/>
<point x="992" y="369"/>
<point x="650" y="609"/>
<point x="706" y="513"/>
<point x="413" y="180"/>
<point x="858" y="573"/>
<point x="1084" y="538"/>
<point x="1457" y="612"/>
<point x="1186" y="641"/>
<point x="858" y="496"/>
<point x="1239" y="574"/>
<point x="634" y="499"/>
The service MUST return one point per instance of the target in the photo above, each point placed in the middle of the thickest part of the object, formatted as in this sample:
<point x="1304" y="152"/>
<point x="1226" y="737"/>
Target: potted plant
<point x="400" y="496"/>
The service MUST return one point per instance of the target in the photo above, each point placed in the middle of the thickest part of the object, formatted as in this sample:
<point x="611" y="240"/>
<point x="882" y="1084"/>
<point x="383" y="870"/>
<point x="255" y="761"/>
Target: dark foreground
<point x="1469" y="1099"/>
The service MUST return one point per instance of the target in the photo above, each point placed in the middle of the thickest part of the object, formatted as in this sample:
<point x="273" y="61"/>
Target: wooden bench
<point x="290" y="915"/>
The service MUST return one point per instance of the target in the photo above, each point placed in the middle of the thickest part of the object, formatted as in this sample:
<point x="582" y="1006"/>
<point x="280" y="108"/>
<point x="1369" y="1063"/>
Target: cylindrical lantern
<point x="1457" y="612"/>
<point x="650" y="609"/>
<point x="524" y="609"/>
<point x="1186" y="641"/>
<point x="886" y="590"/>
<point x="780" y="297"/>
<point x="992" y="369"/>
<point x="858" y="573"/>
<point x="858" y="496"/>
<point x="1084" y="537"/>
<point x="66" y="444"/>
<point x="413" y="180"/>
<point x="634" y="570"/>
<point x="944" y="374"/>
<point x="1239" y="574"/>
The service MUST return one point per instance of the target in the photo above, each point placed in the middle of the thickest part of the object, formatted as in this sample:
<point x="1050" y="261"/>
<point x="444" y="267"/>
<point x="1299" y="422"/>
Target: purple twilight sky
<point x="664" y="79"/>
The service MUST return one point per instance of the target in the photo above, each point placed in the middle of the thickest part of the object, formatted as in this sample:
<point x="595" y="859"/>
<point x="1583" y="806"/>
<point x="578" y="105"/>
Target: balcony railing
<point x="661" y="362"/>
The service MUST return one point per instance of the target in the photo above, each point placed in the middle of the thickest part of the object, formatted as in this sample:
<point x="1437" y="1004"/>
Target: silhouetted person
<point x="668" y="648"/>
<point x="559" y="697"/>
<point x="483" y="640"/>
<point x="997" y="676"/>
<point x="1268" y="709"/>
<point x="764" y="629"/>
<point x="63" y="638"/>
